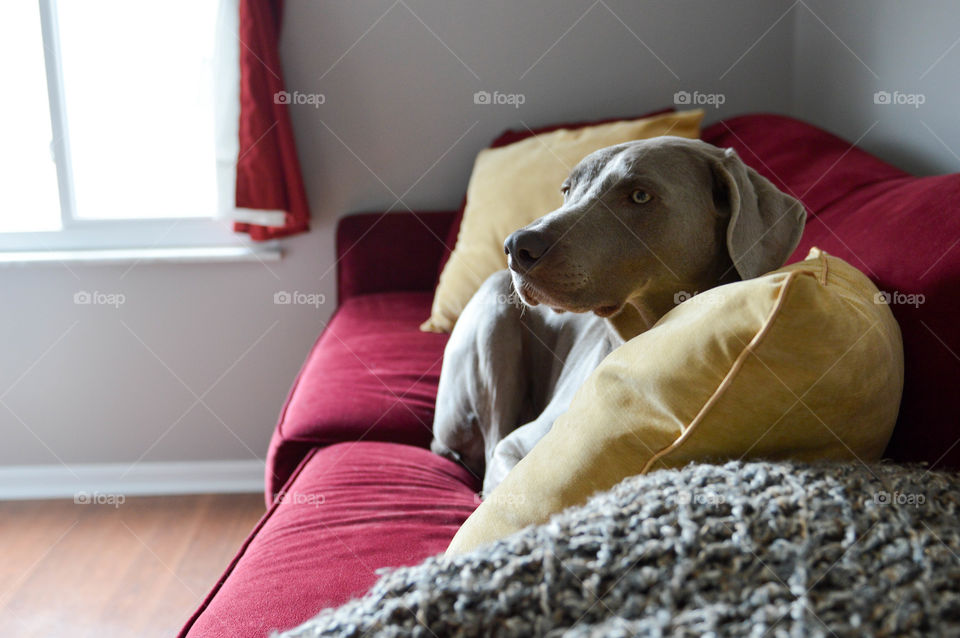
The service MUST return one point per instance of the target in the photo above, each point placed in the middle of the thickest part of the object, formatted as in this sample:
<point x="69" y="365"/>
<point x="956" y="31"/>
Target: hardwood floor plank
<point x="139" y="568"/>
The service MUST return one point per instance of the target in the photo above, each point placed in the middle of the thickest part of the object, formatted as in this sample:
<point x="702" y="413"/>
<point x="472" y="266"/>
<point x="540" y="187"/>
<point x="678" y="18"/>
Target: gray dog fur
<point x="641" y="223"/>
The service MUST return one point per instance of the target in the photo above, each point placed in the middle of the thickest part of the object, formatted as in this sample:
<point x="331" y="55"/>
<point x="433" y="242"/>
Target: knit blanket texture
<point x="742" y="549"/>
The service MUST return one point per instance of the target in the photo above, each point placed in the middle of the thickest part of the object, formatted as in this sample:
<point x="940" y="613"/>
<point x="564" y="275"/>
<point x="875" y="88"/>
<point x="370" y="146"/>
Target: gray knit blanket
<point x="743" y="549"/>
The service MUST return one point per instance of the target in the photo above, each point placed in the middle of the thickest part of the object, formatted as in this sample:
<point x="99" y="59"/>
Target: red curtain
<point x="268" y="171"/>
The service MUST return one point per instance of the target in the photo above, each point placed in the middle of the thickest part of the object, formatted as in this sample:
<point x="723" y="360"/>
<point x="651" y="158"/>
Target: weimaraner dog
<point x="642" y="225"/>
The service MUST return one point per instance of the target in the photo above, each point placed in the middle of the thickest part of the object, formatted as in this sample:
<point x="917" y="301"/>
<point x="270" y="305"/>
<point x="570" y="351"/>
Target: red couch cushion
<point x="372" y="375"/>
<point x="349" y="510"/>
<point x="800" y="159"/>
<point x="903" y="232"/>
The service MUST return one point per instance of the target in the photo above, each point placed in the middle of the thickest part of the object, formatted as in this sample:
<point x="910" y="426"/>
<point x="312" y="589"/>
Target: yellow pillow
<point x="801" y="363"/>
<point x="513" y="185"/>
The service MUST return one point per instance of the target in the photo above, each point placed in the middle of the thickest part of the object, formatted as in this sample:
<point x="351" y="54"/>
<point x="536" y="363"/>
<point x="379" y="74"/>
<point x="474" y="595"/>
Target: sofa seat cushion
<point x="349" y="510"/>
<point x="372" y="375"/>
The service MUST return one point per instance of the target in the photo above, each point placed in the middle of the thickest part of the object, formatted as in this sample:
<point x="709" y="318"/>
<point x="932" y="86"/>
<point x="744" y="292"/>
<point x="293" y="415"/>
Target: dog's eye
<point x="641" y="196"/>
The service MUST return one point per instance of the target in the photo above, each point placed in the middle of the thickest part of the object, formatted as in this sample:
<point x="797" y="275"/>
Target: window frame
<point x="101" y="234"/>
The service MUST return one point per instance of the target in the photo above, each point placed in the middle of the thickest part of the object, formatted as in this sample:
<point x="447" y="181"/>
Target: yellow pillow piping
<point x="730" y="376"/>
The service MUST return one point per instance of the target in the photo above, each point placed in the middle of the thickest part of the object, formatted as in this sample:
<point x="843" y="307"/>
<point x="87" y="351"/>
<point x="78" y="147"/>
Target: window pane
<point x="138" y="88"/>
<point x="29" y="199"/>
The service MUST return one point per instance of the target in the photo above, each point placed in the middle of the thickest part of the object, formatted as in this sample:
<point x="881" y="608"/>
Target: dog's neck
<point x="642" y="311"/>
<point x="635" y="317"/>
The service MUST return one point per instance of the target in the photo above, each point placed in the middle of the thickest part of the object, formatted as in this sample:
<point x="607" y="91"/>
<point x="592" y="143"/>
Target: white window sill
<point x="181" y="255"/>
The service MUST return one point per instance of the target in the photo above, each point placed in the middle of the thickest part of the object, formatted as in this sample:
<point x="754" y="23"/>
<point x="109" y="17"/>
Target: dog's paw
<point x="505" y="457"/>
<point x="440" y="449"/>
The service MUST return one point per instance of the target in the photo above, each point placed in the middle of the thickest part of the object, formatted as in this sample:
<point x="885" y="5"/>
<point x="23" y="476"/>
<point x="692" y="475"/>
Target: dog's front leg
<point x="484" y="378"/>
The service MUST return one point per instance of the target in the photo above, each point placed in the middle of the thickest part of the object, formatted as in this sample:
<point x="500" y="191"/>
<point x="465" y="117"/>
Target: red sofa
<point x="351" y="485"/>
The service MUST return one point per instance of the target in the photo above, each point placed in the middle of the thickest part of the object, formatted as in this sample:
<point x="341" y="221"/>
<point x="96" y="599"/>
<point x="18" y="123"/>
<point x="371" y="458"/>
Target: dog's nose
<point x="525" y="247"/>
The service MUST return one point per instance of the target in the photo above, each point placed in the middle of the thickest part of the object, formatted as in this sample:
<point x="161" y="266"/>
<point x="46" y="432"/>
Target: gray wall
<point x="401" y="98"/>
<point x="909" y="47"/>
<point x="96" y="384"/>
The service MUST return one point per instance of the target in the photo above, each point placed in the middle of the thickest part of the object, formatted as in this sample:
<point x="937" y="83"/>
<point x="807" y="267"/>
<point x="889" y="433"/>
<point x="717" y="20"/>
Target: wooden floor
<point x="136" y="569"/>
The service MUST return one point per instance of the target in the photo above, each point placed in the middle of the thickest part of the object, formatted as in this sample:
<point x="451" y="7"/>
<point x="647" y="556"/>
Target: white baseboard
<point x="142" y="479"/>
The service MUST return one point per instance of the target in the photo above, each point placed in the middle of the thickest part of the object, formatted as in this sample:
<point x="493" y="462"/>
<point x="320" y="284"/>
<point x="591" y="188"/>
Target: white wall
<point x="399" y="120"/>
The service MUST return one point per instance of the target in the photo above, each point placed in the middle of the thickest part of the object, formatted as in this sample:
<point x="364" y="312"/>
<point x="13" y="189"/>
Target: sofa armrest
<point x="384" y="252"/>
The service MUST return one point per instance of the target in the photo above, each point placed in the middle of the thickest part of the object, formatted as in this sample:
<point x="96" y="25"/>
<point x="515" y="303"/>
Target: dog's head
<point x="642" y="222"/>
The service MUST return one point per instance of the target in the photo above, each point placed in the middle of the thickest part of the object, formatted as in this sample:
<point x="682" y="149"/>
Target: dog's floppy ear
<point x="765" y="223"/>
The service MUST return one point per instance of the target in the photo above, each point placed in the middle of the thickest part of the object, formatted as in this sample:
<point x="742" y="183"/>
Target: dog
<point x="642" y="226"/>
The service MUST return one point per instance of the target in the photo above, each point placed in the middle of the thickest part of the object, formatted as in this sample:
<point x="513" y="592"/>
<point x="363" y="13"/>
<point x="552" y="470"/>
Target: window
<point x="112" y="135"/>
